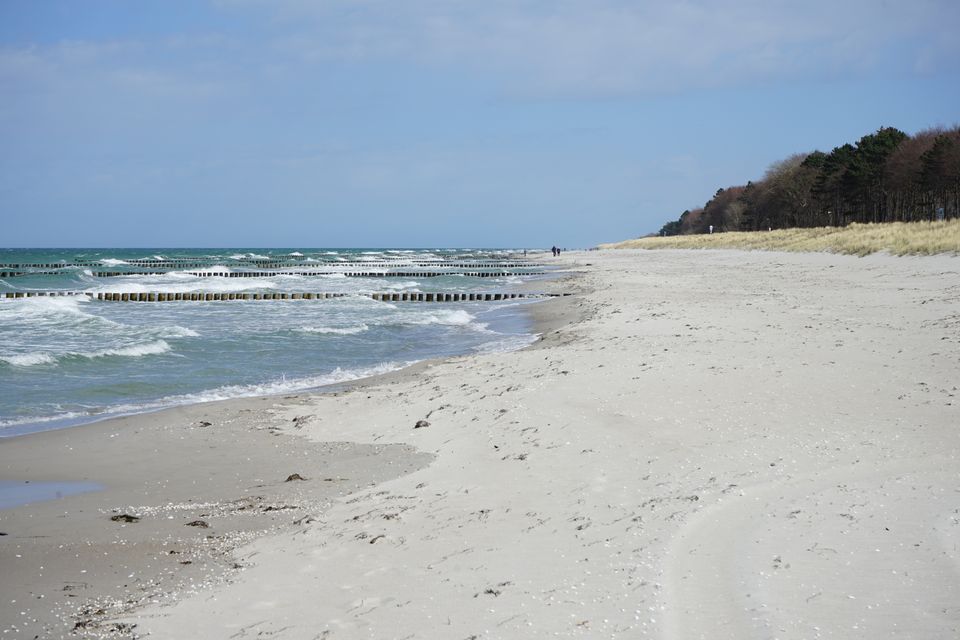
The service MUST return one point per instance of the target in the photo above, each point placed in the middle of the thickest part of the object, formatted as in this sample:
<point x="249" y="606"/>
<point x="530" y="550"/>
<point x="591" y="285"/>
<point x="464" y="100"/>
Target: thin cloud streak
<point x="610" y="47"/>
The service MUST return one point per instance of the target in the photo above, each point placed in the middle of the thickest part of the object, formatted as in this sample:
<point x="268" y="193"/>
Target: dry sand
<point x="715" y="445"/>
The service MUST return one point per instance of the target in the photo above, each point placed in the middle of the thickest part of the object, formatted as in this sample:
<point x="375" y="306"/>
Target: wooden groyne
<point x="410" y="296"/>
<point x="15" y="274"/>
<point x="348" y="274"/>
<point x="169" y="264"/>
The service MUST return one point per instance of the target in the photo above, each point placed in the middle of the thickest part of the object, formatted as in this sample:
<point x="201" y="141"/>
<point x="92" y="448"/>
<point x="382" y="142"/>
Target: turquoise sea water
<point x="66" y="360"/>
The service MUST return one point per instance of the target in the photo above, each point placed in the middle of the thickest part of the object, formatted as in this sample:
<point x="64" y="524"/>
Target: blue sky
<point x="434" y="122"/>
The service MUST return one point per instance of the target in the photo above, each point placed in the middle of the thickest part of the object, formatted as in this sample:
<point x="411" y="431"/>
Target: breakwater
<point x="348" y="274"/>
<point x="196" y="296"/>
<point x="89" y="333"/>
<point x="167" y="264"/>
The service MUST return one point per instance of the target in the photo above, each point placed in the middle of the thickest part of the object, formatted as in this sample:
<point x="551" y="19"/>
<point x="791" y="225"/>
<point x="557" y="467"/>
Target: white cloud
<point x="114" y="76"/>
<point x="618" y="46"/>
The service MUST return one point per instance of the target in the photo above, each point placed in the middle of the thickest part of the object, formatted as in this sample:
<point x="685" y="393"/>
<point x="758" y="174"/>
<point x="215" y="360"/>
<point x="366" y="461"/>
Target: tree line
<point x="887" y="176"/>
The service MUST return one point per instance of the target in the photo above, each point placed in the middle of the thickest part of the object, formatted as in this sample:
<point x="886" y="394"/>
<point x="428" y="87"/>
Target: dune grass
<point x="896" y="238"/>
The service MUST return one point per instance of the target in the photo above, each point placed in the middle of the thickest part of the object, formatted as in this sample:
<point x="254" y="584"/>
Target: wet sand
<point x="181" y="489"/>
<point x="710" y="444"/>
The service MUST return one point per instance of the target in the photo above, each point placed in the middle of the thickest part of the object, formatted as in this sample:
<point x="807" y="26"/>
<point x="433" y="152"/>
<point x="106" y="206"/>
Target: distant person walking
<point x="554" y="251"/>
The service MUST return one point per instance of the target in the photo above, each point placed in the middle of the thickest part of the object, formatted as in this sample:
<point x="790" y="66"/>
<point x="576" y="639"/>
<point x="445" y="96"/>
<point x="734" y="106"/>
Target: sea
<point x="69" y="360"/>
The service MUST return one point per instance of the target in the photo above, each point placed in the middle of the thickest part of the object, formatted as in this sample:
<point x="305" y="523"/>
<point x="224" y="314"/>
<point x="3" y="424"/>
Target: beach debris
<point x="89" y="623"/>
<point x="421" y="424"/>
<point x="198" y="523"/>
<point x="125" y="517"/>
<point x="495" y="592"/>
<point x="204" y="423"/>
<point x="294" y="476"/>
<point x="299" y="421"/>
<point x="3" y="533"/>
<point x="375" y="538"/>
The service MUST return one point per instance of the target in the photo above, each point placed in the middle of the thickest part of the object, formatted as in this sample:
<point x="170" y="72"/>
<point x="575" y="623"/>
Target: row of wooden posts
<point x="280" y="265"/>
<point x="198" y="297"/>
<point x="349" y="274"/>
<point x="14" y="274"/>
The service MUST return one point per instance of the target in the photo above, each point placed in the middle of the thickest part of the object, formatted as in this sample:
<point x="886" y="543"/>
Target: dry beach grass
<point x="897" y="238"/>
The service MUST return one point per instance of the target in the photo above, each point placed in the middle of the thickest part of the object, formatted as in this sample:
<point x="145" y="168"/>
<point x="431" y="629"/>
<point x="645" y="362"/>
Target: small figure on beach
<point x="554" y="251"/>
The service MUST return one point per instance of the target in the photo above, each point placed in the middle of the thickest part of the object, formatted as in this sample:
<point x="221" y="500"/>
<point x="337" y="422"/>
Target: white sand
<point x="731" y="445"/>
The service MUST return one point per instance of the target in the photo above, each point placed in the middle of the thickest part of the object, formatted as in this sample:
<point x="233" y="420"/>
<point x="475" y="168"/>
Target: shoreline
<point x="156" y="558"/>
<point x="54" y="424"/>
<point x="721" y="445"/>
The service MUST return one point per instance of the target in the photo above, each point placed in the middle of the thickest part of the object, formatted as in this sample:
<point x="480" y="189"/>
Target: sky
<point x="434" y="123"/>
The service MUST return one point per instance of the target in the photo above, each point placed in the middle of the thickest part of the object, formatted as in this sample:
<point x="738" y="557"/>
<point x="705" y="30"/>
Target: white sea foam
<point x="176" y="331"/>
<point x="409" y="284"/>
<point x="133" y="351"/>
<point x="185" y="284"/>
<point x="112" y="262"/>
<point x="456" y="317"/>
<point x="296" y="254"/>
<point x="507" y="343"/>
<point x="44" y="310"/>
<point x="273" y="387"/>
<point x="343" y="331"/>
<point x="28" y="359"/>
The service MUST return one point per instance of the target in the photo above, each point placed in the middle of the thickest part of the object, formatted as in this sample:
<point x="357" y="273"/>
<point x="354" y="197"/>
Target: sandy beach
<point x="703" y="444"/>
